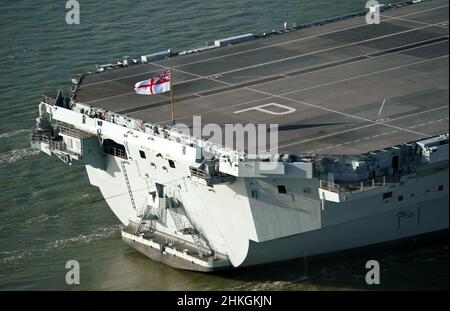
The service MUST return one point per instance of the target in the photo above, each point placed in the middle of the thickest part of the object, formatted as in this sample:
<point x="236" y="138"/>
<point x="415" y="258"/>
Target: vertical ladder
<point x="127" y="181"/>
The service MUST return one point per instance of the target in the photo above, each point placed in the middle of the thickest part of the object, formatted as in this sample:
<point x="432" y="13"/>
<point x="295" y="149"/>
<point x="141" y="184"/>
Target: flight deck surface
<point x="343" y="88"/>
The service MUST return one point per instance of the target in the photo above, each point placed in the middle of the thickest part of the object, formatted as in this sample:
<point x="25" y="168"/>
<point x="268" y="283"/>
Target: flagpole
<point x="172" y="97"/>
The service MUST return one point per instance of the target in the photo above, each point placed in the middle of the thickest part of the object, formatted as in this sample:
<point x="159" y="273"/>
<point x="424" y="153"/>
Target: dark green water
<point x="46" y="212"/>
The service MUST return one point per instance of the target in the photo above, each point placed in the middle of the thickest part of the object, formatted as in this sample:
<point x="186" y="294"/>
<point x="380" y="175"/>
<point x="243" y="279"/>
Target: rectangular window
<point x="441" y="188"/>
<point x="142" y="154"/>
<point x="171" y="163"/>
<point x="400" y="198"/>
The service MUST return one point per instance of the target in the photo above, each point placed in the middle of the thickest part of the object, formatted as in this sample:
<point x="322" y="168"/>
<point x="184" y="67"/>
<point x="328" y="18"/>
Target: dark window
<point x="387" y="195"/>
<point x="441" y="188"/>
<point x="400" y="198"/>
<point x="306" y="190"/>
<point x="412" y="194"/>
<point x="281" y="189"/>
<point x="142" y="154"/>
<point x="171" y="163"/>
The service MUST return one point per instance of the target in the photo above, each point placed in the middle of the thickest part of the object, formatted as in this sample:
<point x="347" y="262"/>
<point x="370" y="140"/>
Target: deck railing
<point x="53" y="144"/>
<point x="118" y="153"/>
<point x="199" y="173"/>
<point x="364" y="185"/>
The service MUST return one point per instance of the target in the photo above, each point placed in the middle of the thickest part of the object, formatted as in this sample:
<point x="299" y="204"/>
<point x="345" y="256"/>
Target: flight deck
<point x="346" y="87"/>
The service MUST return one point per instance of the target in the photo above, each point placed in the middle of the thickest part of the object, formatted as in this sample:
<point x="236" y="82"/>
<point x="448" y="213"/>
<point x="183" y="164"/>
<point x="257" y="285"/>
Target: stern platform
<point x="173" y="252"/>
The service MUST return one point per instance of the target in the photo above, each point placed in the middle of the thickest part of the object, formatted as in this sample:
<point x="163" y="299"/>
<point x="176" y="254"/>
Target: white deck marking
<point x="362" y="75"/>
<point x="260" y="48"/>
<point x="382" y="106"/>
<point x="418" y="22"/>
<point x="324" y="64"/>
<point x="214" y="78"/>
<point x="199" y="77"/>
<point x="365" y="138"/>
<point x="338" y="112"/>
<point x="312" y="87"/>
<point x="358" y="128"/>
<point x="262" y="108"/>
<point x="319" y="51"/>
<point x="211" y="77"/>
<point x="305" y="38"/>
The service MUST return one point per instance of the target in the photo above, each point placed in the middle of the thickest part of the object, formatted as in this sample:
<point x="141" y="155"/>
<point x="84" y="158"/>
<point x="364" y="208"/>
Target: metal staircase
<point x="148" y="221"/>
<point x="176" y="217"/>
<point x="188" y="229"/>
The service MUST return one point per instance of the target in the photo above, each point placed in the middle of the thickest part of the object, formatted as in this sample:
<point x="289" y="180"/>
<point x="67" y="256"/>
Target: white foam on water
<point x="14" y="133"/>
<point x="17" y="155"/>
<point x="97" y="234"/>
<point x="40" y="218"/>
<point x="7" y="257"/>
<point x="21" y="254"/>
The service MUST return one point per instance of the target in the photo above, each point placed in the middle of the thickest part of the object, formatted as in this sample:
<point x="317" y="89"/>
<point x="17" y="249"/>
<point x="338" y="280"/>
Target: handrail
<point x="362" y="186"/>
<point x="70" y="130"/>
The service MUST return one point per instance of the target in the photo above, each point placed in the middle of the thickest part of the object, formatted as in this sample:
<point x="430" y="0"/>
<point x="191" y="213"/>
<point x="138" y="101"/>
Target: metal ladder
<point x="130" y="192"/>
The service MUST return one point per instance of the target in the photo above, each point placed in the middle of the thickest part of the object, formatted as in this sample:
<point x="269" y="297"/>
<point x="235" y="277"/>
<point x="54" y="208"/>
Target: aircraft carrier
<point x="361" y="115"/>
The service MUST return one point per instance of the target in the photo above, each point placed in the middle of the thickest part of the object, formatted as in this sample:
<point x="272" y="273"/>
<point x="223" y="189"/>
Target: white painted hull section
<point x="273" y="227"/>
